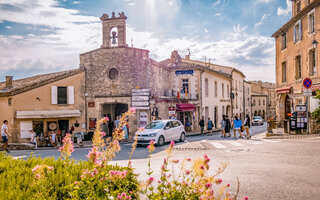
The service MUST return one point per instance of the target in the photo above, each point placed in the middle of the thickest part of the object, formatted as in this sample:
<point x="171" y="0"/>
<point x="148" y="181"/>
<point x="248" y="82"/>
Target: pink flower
<point x="141" y="129"/>
<point x="228" y="185"/>
<point x="150" y="180"/>
<point x="106" y="118"/>
<point x="103" y="134"/>
<point x="132" y="109"/>
<point x="171" y="144"/>
<point x="208" y="185"/>
<point x="188" y="159"/>
<point x="37" y="176"/>
<point x="175" y="161"/>
<point x="187" y="172"/>
<point x="202" y="167"/>
<point x="76" y="183"/>
<point x="245" y="198"/>
<point x="219" y="181"/>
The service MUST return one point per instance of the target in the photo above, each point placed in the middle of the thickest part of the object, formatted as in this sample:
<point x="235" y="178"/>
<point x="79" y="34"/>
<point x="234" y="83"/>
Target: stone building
<point x="45" y="103"/>
<point x="247" y="99"/>
<point x="297" y="58"/>
<point x="263" y="99"/>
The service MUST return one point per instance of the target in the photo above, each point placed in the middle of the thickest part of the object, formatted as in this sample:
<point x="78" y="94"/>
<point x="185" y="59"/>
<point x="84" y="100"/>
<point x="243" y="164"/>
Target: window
<point x="185" y="86"/>
<point x="222" y="91"/>
<point x="311" y="21"/>
<point x="9" y="101"/>
<point x="297" y="33"/>
<point x="113" y="74"/>
<point x="298" y="7"/>
<point x="62" y="95"/>
<point x="228" y="93"/>
<point x="284" y="72"/>
<point x="312" y="60"/>
<point x="206" y="87"/>
<point x="215" y="89"/>
<point x="223" y="110"/>
<point x="259" y="102"/>
<point x="264" y="102"/>
<point x="254" y="102"/>
<point x="298" y="67"/>
<point x="284" y="41"/>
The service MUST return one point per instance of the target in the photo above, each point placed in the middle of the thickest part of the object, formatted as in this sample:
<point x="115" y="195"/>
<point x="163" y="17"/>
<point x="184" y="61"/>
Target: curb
<point x="292" y="136"/>
<point x="204" y="133"/>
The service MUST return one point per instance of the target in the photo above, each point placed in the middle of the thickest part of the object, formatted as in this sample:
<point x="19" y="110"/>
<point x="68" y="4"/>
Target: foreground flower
<point x="95" y="155"/>
<point x="132" y="109"/>
<point x="150" y="180"/>
<point x="67" y="147"/>
<point x="151" y="146"/>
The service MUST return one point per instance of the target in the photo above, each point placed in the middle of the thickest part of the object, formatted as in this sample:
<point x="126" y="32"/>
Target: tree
<point x="316" y="113"/>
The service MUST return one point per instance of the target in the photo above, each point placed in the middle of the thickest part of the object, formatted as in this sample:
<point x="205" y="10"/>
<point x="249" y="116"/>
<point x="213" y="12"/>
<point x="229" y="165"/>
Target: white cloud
<point x="265" y="1"/>
<point x="131" y="4"/>
<point x="205" y="30"/>
<point x="285" y="11"/>
<point x="8" y="27"/>
<point x="76" y="2"/>
<point x="218" y="14"/>
<point x="263" y="18"/>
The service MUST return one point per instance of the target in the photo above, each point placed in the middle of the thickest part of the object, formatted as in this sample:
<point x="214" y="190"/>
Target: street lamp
<point x="314" y="43"/>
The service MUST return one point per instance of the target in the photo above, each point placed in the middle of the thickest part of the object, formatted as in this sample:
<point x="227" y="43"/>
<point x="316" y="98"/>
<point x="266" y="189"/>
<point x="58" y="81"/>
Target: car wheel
<point x="161" y="141"/>
<point x="182" y="137"/>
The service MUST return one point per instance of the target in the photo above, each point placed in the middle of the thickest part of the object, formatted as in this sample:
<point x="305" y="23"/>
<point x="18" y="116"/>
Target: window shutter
<point x="54" y="97"/>
<point x="294" y="33"/>
<point x="300" y="30"/>
<point x="70" y="95"/>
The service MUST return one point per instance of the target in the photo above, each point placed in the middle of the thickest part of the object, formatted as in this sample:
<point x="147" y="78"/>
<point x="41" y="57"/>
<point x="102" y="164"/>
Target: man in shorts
<point x="5" y="135"/>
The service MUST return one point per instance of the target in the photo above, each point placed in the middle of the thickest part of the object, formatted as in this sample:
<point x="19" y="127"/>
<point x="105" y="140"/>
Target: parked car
<point x="257" y="120"/>
<point x="162" y="131"/>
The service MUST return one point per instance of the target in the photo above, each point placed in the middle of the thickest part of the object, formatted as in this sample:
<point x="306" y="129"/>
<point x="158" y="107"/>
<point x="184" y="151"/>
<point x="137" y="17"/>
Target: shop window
<point x="206" y="87"/>
<point x="62" y="95"/>
<point x="312" y="60"/>
<point x="284" y="41"/>
<point x="311" y="20"/>
<point x="284" y="72"/>
<point x="185" y="86"/>
<point x="298" y="67"/>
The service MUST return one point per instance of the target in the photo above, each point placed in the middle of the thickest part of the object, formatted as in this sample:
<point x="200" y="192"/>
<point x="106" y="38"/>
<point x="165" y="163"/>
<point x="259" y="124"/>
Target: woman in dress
<point x="247" y="126"/>
<point x="228" y="126"/>
<point x="223" y="126"/>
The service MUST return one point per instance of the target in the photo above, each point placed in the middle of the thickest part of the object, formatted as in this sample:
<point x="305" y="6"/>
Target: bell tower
<point x="113" y="30"/>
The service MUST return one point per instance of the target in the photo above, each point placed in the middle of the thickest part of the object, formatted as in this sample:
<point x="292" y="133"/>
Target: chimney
<point x="9" y="81"/>
<point x="188" y="57"/>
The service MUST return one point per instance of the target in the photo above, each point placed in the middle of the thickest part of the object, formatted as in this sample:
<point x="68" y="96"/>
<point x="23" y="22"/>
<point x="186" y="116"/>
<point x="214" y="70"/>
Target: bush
<point x="36" y="178"/>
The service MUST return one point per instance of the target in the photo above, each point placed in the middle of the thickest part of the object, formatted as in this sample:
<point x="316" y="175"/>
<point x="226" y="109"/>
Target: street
<point x="266" y="168"/>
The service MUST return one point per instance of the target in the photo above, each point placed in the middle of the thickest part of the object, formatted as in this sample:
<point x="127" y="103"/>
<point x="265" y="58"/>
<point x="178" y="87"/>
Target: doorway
<point x="215" y="116"/>
<point x="287" y="107"/>
<point x="63" y="126"/>
<point x="114" y="109"/>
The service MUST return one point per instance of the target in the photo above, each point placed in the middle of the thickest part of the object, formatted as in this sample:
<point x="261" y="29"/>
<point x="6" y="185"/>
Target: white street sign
<point x="140" y="90"/>
<point x="142" y="108"/>
<point x="140" y="94"/>
<point x="143" y="103"/>
<point x="307" y="92"/>
<point x="140" y="98"/>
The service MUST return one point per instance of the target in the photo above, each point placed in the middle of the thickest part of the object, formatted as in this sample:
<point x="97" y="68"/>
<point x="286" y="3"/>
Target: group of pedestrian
<point x="109" y="126"/>
<point x="226" y="126"/>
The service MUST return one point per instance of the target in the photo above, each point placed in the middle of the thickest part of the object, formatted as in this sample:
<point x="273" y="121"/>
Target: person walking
<point x="228" y="126"/>
<point x="201" y="124"/>
<point x="210" y="126"/>
<point x="110" y="125"/>
<point x="247" y="123"/>
<point x="5" y="135"/>
<point x="117" y="122"/>
<point x="223" y="126"/>
<point x="237" y="123"/>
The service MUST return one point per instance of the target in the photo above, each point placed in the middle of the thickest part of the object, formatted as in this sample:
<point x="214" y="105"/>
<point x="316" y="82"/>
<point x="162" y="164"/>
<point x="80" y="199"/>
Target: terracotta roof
<point x="294" y="19"/>
<point x="23" y="85"/>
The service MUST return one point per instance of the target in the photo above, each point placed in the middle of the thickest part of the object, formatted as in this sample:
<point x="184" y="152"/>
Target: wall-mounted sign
<point x="92" y="123"/>
<point x="183" y="72"/>
<point x="140" y="99"/>
<point x="91" y="104"/>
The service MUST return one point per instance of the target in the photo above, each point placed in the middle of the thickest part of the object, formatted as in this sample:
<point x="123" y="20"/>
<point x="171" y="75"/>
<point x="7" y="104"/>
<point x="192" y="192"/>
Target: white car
<point x="162" y="131"/>
<point x="257" y="120"/>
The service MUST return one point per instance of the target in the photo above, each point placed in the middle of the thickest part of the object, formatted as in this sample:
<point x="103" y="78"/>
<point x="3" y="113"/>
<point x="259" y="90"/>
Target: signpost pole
<point x="307" y="114"/>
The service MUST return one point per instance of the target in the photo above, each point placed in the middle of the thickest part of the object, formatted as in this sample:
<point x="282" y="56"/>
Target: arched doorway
<point x="287" y="107"/>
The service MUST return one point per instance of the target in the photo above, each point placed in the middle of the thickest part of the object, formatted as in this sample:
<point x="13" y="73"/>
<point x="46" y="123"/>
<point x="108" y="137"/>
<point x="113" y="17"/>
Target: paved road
<point x="267" y="169"/>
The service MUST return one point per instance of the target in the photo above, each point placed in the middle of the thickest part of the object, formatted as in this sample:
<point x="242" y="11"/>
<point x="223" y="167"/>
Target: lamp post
<point x="314" y="43"/>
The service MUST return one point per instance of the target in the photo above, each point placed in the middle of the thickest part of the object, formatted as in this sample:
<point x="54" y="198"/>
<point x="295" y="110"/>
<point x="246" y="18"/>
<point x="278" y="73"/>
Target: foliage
<point x="316" y="113"/>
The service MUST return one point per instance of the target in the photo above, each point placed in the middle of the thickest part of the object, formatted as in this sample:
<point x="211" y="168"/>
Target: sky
<point x="43" y="36"/>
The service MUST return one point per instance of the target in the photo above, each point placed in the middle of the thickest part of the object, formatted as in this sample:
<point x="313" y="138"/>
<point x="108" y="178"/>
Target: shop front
<point x="48" y="125"/>
<point x="186" y="113"/>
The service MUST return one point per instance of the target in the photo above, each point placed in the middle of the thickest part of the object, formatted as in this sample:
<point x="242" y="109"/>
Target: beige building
<point x="297" y="57"/>
<point x="44" y="103"/>
<point x="247" y="99"/>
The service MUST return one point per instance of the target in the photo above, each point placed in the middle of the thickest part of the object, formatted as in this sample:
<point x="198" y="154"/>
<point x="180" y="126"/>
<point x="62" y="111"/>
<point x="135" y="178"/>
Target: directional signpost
<point x="140" y="99"/>
<point x="307" y="83"/>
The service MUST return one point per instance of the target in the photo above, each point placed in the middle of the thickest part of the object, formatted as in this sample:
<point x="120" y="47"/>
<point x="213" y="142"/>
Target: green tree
<point x="316" y="113"/>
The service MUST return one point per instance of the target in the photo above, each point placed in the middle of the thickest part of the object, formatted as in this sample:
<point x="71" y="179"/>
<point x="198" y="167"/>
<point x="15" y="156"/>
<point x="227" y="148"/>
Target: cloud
<point x="76" y="2"/>
<point x="285" y="11"/>
<point x="263" y="18"/>
<point x="8" y="27"/>
<point x="131" y="4"/>
<point x="265" y="1"/>
<point x="218" y="14"/>
<point x="205" y="30"/>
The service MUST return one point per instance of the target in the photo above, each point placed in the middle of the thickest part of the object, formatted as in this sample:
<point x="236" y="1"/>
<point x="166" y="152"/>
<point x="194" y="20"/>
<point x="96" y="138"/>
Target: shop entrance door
<point x="114" y="109"/>
<point x="63" y="126"/>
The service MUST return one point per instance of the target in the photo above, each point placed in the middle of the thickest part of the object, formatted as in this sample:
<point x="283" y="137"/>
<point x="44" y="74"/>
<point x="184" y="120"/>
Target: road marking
<point x="237" y="144"/>
<point x="272" y="141"/>
<point x="217" y="145"/>
<point x="18" y="157"/>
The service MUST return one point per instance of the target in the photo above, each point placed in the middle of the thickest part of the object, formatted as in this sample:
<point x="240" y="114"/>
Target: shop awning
<point x="47" y="114"/>
<point x="283" y="90"/>
<point x="185" y="107"/>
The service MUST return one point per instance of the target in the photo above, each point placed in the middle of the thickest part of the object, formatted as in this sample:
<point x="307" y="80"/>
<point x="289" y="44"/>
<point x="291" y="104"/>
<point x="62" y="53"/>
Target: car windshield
<point x="155" y="125"/>
<point x="257" y="118"/>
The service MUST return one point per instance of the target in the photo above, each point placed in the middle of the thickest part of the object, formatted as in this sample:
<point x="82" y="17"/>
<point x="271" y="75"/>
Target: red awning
<point x="283" y="90"/>
<point x="185" y="107"/>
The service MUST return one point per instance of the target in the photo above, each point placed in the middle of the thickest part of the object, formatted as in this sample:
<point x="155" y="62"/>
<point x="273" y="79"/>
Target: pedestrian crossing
<point x="235" y="143"/>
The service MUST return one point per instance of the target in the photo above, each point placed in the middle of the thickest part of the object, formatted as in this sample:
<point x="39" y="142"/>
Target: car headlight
<point x="152" y="135"/>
